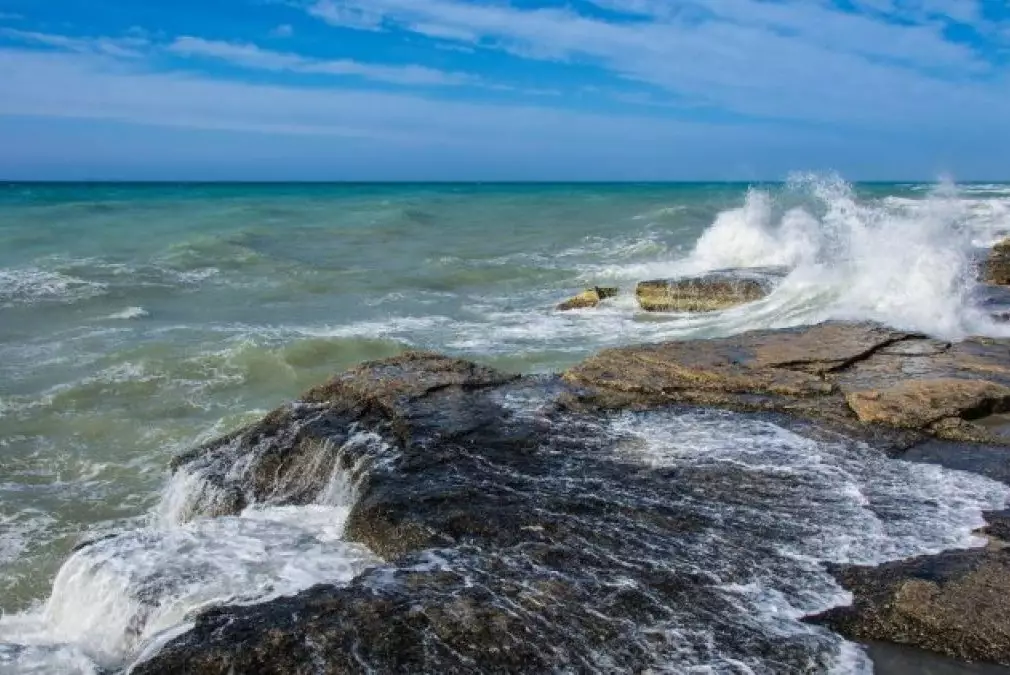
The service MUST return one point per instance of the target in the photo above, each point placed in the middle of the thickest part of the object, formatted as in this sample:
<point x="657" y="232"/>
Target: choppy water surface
<point x="138" y="320"/>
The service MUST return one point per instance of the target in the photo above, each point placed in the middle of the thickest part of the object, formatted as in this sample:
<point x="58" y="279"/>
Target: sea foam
<point x="910" y="263"/>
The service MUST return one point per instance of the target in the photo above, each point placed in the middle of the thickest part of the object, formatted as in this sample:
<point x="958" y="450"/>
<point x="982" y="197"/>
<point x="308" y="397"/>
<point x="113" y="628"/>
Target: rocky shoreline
<point x="514" y="540"/>
<point x="465" y="473"/>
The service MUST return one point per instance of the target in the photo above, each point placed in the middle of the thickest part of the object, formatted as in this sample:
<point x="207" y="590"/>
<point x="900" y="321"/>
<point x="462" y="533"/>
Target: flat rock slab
<point x="918" y="404"/>
<point x="855" y="372"/>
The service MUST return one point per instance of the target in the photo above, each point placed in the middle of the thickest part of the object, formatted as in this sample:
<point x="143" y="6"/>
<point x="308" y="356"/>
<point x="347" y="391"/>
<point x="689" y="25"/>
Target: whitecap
<point x="32" y="285"/>
<point x="129" y="313"/>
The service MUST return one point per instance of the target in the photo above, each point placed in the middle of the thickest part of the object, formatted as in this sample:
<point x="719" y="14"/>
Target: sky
<point x="504" y="89"/>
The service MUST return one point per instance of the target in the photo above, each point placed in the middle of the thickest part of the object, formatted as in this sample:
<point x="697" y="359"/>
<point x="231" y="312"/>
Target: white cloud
<point x="355" y="134"/>
<point x="50" y="84"/>
<point x="361" y="17"/>
<point x="127" y="47"/>
<point x="285" y="30"/>
<point x="251" y="56"/>
<point x="785" y="59"/>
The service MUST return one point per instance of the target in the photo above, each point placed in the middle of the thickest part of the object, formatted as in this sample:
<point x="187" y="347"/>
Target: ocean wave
<point x="31" y="285"/>
<point x="129" y="313"/>
<point x="908" y="263"/>
<point x="661" y="212"/>
<point x="121" y="594"/>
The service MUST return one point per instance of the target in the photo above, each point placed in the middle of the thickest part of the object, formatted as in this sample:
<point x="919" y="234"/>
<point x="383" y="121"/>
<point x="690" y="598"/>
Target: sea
<point x="139" y="320"/>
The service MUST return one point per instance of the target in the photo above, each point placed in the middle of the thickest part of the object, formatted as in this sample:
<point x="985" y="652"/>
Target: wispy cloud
<point x="127" y="47"/>
<point x="285" y="30"/>
<point x="788" y="59"/>
<point x="52" y="84"/>
<point x="486" y="79"/>
<point x="352" y="16"/>
<point x="251" y="56"/>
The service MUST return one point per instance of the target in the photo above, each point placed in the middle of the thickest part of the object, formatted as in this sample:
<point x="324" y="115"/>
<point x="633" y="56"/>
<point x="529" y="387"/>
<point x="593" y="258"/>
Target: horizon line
<point x="59" y="181"/>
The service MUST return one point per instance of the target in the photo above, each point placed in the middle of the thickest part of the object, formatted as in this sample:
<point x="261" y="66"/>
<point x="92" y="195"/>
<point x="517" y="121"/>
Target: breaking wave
<point x="908" y="262"/>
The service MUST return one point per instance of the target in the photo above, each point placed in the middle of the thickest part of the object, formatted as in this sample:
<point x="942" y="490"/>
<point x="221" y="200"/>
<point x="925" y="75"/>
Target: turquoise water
<point x="137" y="320"/>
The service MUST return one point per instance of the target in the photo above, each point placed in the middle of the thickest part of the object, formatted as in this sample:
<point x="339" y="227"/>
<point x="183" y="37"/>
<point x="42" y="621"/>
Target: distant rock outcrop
<point x="709" y="292"/>
<point x="589" y="298"/>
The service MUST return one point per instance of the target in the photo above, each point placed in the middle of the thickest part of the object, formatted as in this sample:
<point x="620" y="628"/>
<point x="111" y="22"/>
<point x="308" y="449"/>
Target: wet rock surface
<point x="955" y="603"/>
<point x="996" y="267"/>
<point x="707" y="293"/>
<point x="589" y="298"/>
<point x="528" y="525"/>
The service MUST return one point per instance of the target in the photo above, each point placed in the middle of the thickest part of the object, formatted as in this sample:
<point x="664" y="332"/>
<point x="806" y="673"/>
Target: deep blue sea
<point x="138" y="320"/>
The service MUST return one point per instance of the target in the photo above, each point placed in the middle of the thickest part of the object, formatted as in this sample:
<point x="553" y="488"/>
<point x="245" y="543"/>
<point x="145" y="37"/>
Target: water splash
<point x="124" y="594"/>
<point x="910" y="263"/>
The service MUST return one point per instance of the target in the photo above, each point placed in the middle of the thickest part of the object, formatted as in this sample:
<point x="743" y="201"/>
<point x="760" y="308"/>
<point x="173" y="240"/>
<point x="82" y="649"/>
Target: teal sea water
<point x="138" y="320"/>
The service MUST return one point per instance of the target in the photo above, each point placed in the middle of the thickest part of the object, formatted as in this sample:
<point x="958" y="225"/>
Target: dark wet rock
<point x="589" y="298"/>
<point x="955" y="603"/>
<point x="290" y="456"/>
<point x="515" y="538"/>
<point x="894" y="659"/>
<point x="836" y="371"/>
<point x="996" y="267"/>
<point x="997" y="525"/>
<point x="991" y="461"/>
<point x="707" y="293"/>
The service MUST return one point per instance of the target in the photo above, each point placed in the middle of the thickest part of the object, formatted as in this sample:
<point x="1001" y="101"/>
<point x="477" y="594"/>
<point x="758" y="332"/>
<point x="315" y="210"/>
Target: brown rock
<point x="955" y="603"/>
<point x="862" y="374"/>
<point x="588" y="299"/>
<point x="920" y="403"/>
<point x="996" y="268"/>
<point x="754" y="370"/>
<point x="708" y="293"/>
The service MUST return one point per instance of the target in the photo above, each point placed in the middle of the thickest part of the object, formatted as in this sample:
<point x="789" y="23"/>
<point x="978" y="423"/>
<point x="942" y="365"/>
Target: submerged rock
<point x="707" y="293"/>
<point x="955" y="603"/>
<point x="588" y="299"/>
<point x="996" y="268"/>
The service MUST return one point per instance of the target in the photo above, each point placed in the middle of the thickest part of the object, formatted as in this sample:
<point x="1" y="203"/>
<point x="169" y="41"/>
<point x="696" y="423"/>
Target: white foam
<point x="849" y="504"/>
<point x="129" y="313"/>
<point x="905" y="262"/>
<point x="115" y="595"/>
<point x="123" y="596"/>
<point x="18" y="530"/>
<point x="31" y="285"/>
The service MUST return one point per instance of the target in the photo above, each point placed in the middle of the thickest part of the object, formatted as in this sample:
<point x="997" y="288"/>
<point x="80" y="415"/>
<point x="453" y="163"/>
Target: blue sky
<point x="504" y="89"/>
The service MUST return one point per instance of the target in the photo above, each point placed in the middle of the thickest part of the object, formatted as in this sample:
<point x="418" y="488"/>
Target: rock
<point x="955" y="603"/>
<point x="917" y="404"/>
<point x="998" y="525"/>
<point x="708" y="293"/>
<point x="996" y="268"/>
<point x="840" y="372"/>
<point x="514" y="538"/>
<point x="588" y="299"/>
